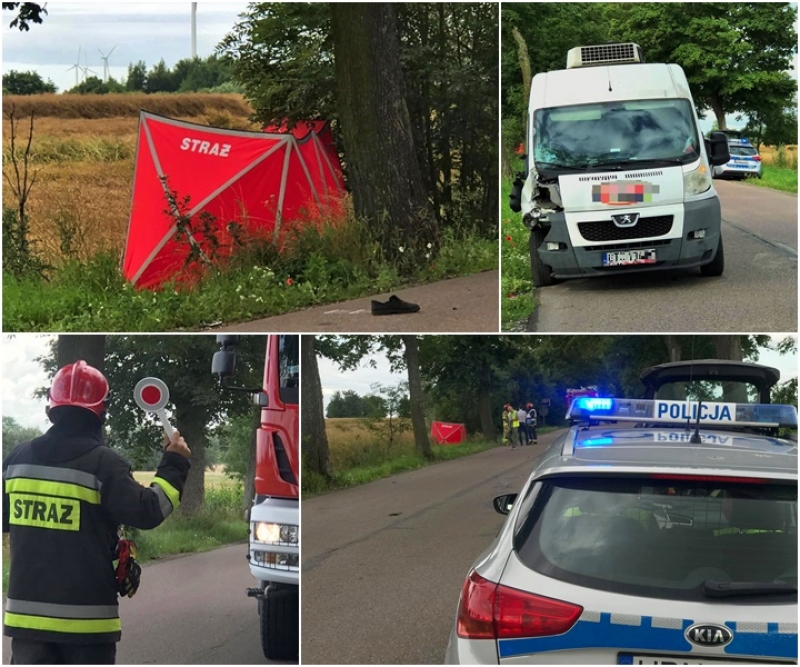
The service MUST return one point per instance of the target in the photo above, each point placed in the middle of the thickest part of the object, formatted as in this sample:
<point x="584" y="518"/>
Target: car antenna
<point x="695" y="439"/>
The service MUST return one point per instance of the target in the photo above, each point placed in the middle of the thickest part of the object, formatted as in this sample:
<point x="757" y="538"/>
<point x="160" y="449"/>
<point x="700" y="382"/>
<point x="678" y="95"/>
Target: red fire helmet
<point x="79" y="385"/>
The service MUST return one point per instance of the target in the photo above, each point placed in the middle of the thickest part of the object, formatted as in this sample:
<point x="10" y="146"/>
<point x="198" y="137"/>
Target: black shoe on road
<point x="394" y="306"/>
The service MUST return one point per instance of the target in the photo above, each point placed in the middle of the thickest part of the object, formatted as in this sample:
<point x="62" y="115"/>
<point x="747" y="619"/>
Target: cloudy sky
<point x="136" y="31"/>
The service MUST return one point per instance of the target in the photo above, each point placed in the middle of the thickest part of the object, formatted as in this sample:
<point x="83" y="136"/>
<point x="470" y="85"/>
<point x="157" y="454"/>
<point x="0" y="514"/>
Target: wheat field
<point x="83" y="156"/>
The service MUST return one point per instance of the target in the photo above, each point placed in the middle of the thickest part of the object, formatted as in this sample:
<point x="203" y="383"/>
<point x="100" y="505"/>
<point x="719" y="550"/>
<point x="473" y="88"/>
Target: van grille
<point x="606" y="230"/>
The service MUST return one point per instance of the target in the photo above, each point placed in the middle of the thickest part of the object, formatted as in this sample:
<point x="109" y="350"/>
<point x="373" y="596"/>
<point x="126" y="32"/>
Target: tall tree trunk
<point x="316" y="454"/>
<point x="250" y="476"/>
<point x="719" y="112"/>
<point x="525" y="68"/>
<point x="673" y="344"/>
<point x="191" y="421"/>
<point x="485" y="402"/>
<point x="89" y="347"/>
<point x="421" y="440"/>
<point x="385" y="175"/>
<point x="728" y="347"/>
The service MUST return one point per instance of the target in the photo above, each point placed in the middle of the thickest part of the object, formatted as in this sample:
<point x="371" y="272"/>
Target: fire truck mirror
<point x="261" y="399"/>
<point x="223" y="363"/>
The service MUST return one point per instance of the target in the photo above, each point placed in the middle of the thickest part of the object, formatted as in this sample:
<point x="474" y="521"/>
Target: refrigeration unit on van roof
<point x="604" y="54"/>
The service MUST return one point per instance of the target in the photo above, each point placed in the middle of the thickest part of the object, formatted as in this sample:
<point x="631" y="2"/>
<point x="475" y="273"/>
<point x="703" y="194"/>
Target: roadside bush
<point x="19" y="259"/>
<point x="785" y="159"/>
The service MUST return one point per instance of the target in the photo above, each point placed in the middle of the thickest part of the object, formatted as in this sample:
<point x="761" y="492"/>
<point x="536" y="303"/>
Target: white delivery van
<point x="617" y="176"/>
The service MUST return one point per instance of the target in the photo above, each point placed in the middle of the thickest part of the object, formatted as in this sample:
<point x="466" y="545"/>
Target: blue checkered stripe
<point x="628" y="632"/>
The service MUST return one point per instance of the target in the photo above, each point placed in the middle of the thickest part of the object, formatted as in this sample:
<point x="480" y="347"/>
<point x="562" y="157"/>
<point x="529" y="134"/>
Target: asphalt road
<point x="190" y="610"/>
<point x="757" y="292"/>
<point x="456" y="305"/>
<point x="383" y="564"/>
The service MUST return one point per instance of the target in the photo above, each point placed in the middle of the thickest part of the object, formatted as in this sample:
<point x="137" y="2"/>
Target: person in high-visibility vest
<point x="65" y="494"/>
<point x="506" y="424"/>
<point x="515" y="434"/>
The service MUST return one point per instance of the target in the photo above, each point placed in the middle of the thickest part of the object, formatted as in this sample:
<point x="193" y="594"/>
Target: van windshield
<point x="616" y="135"/>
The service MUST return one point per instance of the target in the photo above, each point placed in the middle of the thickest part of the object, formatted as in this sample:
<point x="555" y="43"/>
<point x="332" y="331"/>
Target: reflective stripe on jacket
<point x="64" y="499"/>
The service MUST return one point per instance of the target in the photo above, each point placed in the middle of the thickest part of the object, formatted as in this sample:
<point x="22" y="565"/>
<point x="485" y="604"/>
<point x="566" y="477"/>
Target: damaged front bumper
<point x="697" y="245"/>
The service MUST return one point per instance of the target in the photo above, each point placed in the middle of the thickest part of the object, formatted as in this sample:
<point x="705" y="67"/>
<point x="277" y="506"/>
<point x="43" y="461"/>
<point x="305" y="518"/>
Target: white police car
<point x="745" y="161"/>
<point x="653" y="531"/>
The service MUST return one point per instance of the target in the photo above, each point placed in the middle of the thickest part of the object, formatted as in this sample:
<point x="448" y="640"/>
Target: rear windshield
<point x="659" y="538"/>
<point x="742" y="150"/>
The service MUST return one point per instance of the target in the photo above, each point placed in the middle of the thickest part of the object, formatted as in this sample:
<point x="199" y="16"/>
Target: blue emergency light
<point x="680" y="412"/>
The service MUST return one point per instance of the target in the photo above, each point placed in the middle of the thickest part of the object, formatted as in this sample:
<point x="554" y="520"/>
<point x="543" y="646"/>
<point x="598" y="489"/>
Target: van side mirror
<point x="717" y="149"/>
<point x="503" y="504"/>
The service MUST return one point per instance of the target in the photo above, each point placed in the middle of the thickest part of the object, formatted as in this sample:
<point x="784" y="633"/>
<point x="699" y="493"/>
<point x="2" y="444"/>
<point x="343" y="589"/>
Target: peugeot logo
<point x="625" y="219"/>
<point x="709" y="634"/>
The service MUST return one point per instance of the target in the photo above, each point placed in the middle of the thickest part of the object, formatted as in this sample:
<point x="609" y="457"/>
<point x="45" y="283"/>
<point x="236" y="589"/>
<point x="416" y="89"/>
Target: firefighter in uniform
<point x="65" y="495"/>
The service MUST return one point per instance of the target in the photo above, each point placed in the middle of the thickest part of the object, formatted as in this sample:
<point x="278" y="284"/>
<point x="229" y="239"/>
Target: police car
<point x="745" y="161"/>
<point x="654" y="531"/>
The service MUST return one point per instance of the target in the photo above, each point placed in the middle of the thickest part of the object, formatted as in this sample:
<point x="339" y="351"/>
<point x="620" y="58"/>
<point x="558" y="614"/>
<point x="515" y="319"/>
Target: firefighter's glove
<point x="128" y="570"/>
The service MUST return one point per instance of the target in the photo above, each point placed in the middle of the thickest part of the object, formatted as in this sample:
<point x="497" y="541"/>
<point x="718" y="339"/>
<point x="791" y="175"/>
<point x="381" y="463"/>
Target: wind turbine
<point x="106" y="69"/>
<point x="194" y="30"/>
<point x="76" y="67"/>
<point x="85" y="67"/>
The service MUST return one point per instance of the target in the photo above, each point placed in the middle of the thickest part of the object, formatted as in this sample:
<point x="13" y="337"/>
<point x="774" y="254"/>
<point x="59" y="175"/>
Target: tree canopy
<point x="27" y="13"/>
<point x="736" y="55"/>
<point x="519" y="369"/>
<point x="26" y="83"/>
<point x="285" y="55"/>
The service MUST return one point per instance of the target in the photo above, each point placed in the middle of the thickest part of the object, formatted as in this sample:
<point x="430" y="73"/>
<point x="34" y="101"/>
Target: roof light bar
<point x="681" y="412"/>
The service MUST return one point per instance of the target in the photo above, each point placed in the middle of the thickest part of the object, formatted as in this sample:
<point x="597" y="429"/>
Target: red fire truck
<point x="274" y="518"/>
<point x="572" y="394"/>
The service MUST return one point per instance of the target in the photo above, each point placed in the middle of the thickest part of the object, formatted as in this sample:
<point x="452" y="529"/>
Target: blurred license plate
<point x="628" y="257"/>
<point x="632" y="659"/>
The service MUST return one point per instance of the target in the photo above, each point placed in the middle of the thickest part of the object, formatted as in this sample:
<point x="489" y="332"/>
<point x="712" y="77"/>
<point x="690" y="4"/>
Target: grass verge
<point x="776" y="178"/>
<point x="93" y="296"/>
<point x="517" y="293"/>
<point x="349" y="472"/>
<point x="314" y="485"/>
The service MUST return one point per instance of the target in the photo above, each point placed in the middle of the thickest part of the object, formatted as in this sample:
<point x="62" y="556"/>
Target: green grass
<point x="324" y="267"/>
<point x="776" y="178"/>
<point x="517" y="291"/>
<point x="313" y="484"/>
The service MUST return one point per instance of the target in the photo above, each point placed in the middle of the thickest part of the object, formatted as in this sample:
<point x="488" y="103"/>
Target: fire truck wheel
<point x="279" y="612"/>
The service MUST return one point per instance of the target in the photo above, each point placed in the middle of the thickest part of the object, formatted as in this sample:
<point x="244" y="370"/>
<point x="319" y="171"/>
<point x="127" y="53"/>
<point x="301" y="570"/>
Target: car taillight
<point x="475" y="620"/>
<point x="757" y="158"/>
<point x="490" y="611"/>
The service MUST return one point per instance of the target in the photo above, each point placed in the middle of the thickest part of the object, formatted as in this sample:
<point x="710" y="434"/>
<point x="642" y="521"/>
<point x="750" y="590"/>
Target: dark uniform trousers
<point x="28" y="652"/>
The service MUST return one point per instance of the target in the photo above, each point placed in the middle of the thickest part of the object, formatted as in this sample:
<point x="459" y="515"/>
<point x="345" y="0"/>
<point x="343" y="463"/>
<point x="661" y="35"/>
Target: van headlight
<point x="697" y="181"/>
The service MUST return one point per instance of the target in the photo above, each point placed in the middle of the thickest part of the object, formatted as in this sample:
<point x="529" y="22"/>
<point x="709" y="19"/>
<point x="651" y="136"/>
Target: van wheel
<point x="541" y="273"/>
<point x="280" y="623"/>
<point x="717" y="265"/>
